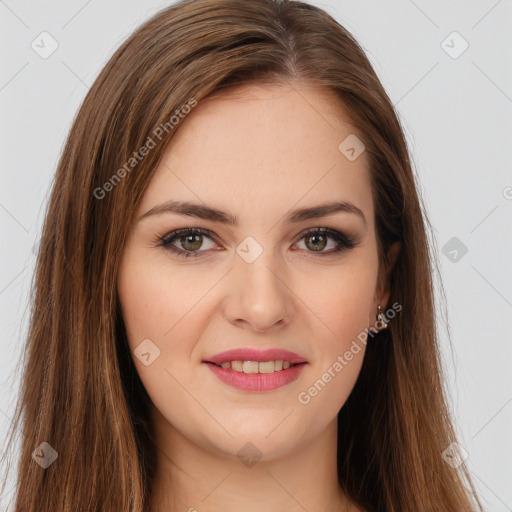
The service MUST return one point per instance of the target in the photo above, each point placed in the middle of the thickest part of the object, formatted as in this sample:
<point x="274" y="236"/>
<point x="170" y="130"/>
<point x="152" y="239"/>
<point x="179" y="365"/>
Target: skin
<point x="257" y="152"/>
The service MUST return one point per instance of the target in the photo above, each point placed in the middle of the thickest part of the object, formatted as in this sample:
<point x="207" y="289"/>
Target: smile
<point x="257" y="376"/>
<point x="256" y="366"/>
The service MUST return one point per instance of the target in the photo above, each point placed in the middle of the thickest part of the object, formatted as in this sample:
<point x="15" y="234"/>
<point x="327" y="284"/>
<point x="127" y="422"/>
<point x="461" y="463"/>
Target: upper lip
<point x="251" y="354"/>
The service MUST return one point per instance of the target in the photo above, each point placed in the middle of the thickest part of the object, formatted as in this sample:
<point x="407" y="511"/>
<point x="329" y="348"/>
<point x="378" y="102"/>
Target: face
<point x="252" y="277"/>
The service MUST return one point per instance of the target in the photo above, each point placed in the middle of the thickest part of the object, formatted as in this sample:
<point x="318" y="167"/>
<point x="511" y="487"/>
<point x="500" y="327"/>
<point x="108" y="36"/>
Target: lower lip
<point x="256" y="381"/>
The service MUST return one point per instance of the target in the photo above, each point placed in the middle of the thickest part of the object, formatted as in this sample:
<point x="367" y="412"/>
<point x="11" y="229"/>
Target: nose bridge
<point x="258" y="293"/>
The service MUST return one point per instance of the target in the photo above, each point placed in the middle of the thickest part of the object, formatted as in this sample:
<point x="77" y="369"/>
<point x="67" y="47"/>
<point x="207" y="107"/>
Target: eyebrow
<point x="203" y="211"/>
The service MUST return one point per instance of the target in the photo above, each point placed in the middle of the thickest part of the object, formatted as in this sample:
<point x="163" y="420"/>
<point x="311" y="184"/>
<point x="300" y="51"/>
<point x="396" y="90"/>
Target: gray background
<point x="456" y="112"/>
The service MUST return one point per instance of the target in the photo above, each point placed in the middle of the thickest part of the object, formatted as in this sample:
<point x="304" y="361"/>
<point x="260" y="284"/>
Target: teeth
<point x="250" y="366"/>
<point x="256" y="367"/>
<point x="264" y="367"/>
<point x="236" y="365"/>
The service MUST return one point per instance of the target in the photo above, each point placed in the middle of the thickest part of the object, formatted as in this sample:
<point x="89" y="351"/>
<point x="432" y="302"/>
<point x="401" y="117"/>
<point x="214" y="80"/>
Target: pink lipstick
<point x="256" y="370"/>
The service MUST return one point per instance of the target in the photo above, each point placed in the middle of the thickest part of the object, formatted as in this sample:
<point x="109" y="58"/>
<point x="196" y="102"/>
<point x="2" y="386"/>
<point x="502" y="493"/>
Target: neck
<point x="194" y="478"/>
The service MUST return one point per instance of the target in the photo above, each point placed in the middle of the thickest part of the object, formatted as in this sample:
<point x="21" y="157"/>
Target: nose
<point x="258" y="296"/>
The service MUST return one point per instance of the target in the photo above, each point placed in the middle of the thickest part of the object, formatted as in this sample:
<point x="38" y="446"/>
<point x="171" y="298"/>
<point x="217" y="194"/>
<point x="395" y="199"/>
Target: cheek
<point x="157" y="301"/>
<point x="141" y="301"/>
<point x="342" y="304"/>
<point x="165" y="305"/>
<point x="163" y="313"/>
<point x="342" y="301"/>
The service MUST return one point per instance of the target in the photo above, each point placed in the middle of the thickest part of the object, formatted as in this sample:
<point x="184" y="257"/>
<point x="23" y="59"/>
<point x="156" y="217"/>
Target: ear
<point x="383" y="291"/>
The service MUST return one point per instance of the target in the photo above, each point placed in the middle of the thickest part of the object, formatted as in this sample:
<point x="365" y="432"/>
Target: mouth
<point x="256" y="376"/>
<point x="248" y="366"/>
<point x="253" y="369"/>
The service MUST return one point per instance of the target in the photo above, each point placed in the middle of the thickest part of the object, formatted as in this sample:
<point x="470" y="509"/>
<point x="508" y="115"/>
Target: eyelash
<point x="344" y="242"/>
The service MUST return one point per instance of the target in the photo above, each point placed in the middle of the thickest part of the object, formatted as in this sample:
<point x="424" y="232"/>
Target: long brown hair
<point x="80" y="390"/>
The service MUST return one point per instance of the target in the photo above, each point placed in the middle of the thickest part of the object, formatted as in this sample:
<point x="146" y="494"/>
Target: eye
<point x="190" y="240"/>
<point x="187" y="242"/>
<point x="317" y="240"/>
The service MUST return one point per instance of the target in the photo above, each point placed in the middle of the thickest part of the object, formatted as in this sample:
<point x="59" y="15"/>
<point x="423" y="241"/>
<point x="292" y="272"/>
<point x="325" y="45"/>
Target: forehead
<point x="261" y="150"/>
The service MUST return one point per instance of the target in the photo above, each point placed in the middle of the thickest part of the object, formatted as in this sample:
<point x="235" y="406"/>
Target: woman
<point x="233" y="299"/>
